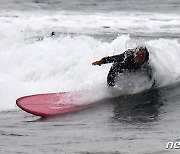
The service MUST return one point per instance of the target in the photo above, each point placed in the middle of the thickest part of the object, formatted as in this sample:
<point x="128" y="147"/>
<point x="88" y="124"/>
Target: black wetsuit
<point x="125" y="62"/>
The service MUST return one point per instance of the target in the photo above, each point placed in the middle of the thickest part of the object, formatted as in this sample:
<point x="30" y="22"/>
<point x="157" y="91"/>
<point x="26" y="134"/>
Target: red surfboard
<point x="52" y="104"/>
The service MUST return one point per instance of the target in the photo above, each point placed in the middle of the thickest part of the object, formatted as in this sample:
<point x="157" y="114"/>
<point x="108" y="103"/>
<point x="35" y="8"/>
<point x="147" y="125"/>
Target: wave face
<point x="32" y="62"/>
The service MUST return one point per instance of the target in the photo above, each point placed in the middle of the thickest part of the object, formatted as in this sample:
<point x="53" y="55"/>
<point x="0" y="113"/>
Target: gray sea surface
<point x="140" y="123"/>
<point x="93" y="5"/>
<point x="136" y="124"/>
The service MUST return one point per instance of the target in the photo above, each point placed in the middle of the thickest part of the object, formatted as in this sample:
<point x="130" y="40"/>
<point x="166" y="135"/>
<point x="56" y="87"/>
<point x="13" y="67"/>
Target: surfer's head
<point x="141" y="55"/>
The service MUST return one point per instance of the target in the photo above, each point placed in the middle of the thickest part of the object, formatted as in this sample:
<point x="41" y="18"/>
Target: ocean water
<point x="33" y="62"/>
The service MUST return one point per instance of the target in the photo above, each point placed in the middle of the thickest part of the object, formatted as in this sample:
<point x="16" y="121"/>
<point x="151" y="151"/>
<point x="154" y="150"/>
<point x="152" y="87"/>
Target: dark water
<point x="141" y="123"/>
<point x="93" y="5"/>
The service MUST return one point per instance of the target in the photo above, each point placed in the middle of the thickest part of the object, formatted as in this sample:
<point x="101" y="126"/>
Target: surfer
<point x="52" y="34"/>
<point x="132" y="60"/>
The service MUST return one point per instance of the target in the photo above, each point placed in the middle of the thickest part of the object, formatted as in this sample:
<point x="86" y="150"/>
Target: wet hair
<point x="144" y="49"/>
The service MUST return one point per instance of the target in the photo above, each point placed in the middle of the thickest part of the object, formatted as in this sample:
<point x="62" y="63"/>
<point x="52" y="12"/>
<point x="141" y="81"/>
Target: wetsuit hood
<point x="143" y="48"/>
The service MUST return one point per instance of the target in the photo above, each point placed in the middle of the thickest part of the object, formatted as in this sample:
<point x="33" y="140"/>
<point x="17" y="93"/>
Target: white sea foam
<point x="84" y="23"/>
<point x="63" y="63"/>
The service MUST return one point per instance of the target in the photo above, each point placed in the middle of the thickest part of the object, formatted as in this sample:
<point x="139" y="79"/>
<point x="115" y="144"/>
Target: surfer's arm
<point x="110" y="59"/>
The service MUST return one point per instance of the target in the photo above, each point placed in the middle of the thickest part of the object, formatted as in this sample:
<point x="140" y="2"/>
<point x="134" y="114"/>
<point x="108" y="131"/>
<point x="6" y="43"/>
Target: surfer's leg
<point x="111" y="77"/>
<point x="151" y="78"/>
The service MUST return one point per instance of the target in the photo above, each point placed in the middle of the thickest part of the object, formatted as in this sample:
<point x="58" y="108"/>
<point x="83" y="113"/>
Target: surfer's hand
<point x="97" y="63"/>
